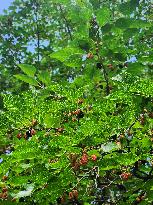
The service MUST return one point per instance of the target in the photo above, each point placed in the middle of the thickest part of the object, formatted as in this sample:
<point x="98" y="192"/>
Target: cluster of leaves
<point x="85" y="138"/>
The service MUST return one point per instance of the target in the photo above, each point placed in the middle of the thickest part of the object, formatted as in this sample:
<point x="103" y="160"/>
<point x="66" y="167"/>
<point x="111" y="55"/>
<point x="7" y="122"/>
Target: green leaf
<point x="70" y="56"/>
<point x="124" y="23"/>
<point x="27" y="79"/>
<point x="51" y="121"/>
<point x="28" y="69"/>
<point x="103" y="16"/>
<point x="135" y="68"/>
<point x="65" y="53"/>
<point x="128" y="7"/>
<point x="44" y="77"/>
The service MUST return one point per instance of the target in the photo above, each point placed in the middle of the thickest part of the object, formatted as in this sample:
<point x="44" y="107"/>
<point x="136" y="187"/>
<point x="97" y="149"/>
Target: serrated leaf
<point x="28" y="69"/>
<point x="27" y="79"/>
<point x="103" y="16"/>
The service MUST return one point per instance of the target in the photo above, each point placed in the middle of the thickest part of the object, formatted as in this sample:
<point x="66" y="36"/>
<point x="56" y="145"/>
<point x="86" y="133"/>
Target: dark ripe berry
<point x="93" y="157"/>
<point x="99" y="66"/>
<point x="28" y="133"/>
<point x="81" y="114"/>
<point x="4" y="189"/>
<point x="19" y="136"/>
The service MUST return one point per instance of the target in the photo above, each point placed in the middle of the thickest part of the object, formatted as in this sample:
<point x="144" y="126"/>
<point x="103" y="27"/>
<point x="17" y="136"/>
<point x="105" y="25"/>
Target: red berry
<point x="4" y="189"/>
<point x="60" y="129"/>
<point x="89" y="55"/>
<point x="5" y="177"/>
<point x="125" y="176"/>
<point x="110" y="66"/>
<point x="5" y="195"/>
<point x="33" y="132"/>
<point x="84" y="159"/>
<point x="75" y="193"/>
<point x="19" y="135"/>
<point x="70" y="195"/>
<point x="94" y="157"/>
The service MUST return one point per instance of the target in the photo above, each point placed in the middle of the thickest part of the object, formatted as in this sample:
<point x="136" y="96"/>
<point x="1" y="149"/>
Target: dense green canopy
<point x="76" y="110"/>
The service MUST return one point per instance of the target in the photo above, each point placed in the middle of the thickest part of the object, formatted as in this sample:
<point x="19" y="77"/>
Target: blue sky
<point x="4" y="4"/>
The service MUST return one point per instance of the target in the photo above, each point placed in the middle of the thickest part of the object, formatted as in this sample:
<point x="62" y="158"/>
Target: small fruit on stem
<point x="5" y="178"/>
<point x="125" y="175"/>
<point x="4" y="189"/>
<point x="33" y="132"/>
<point x="75" y="193"/>
<point x="84" y="159"/>
<point x="110" y="66"/>
<point x="19" y="136"/>
<point x="93" y="157"/>
<point x="89" y="55"/>
<point x="70" y="195"/>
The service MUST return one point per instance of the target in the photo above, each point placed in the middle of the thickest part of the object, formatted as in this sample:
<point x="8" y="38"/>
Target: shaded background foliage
<point x="76" y="82"/>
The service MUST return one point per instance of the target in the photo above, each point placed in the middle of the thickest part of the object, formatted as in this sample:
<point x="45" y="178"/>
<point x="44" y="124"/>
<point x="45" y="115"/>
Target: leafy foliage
<point x="77" y="126"/>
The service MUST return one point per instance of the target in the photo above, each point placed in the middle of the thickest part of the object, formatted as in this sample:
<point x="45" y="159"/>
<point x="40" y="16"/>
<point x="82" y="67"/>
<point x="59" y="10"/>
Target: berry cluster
<point x="4" y="193"/>
<point x="125" y="175"/>
<point x="29" y="133"/>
